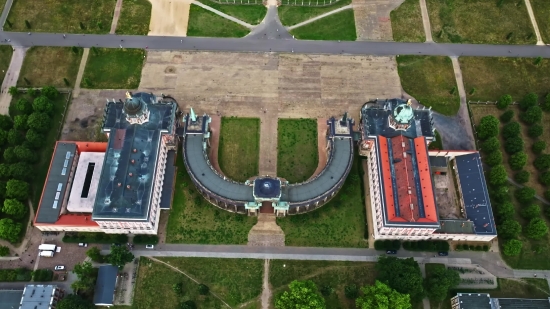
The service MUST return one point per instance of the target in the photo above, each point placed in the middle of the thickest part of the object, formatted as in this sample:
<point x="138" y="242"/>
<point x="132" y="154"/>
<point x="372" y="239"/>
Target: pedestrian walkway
<point x="10" y="80"/>
<point x="266" y="289"/>
<point x="426" y="21"/>
<point x="268" y="142"/>
<point x="116" y="16"/>
<point x="222" y="14"/>
<point x="533" y="22"/>
<point x="372" y="19"/>
<point x="5" y="12"/>
<point x="270" y="28"/>
<point x="266" y="232"/>
<point x="338" y="10"/>
<point x="76" y="91"/>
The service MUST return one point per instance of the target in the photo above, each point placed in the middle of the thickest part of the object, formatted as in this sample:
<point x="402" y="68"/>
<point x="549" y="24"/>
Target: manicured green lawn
<point x="5" y="57"/>
<point x="481" y="21"/>
<point x="134" y="17"/>
<point x="339" y="26"/>
<point x="113" y="68"/>
<point x="236" y="281"/>
<point x="252" y="14"/>
<point x="297" y="136"/>
<point x="195" y="221"/>
<point x="493" y="77"/>
<point x="339" y="223"/>
<point x="62" y="16"/>
<point x="204" y="23"/>
<point x="292" y="15"/>
<point x="406" y="22"/>
<point x="541" y="9"/>
<point x="47" y="66"/>
<point x="324" y="273"/>
<point x="239" y="147"/>
<point x="430" y="80"/>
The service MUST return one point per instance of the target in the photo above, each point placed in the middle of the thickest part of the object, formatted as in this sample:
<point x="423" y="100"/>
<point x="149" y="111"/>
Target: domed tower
<point x="402" y="116"/>
<point x="135" y="109"/>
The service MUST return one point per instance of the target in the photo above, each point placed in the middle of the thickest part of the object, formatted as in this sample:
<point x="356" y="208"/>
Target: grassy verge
<point x="109" y="68"/>
<point x="431" y="80"/>
<point x="324" y="273"/>
<point x="406" y="22"/>
<point x="252" y="14"/>
<point x="292" y="15"/>
<point x="134" y="17"/>
<point x="437" y="144"/>
<point x="541" y="9"/>
<point x="204" y="23"/>
<point x="464" y="21"/>
<point x="154" y="284"/>
<point x="339" y="223"/>
<point x="5" y="57"/>
<point x="297" y="136"/>
<point x="236" y="281"/>
<point x="239" y="148"/>
<point x="48" y="66"/>
<point x="339" y="26"/>
<point x="493" y="77"/>
<point x="62" y="16"/>
<point x="194" y="221"/>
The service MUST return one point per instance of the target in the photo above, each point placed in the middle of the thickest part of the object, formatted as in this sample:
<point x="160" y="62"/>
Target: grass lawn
<point x="541" y="9"/>
<point x="5" y="57"/>
<point x="134" y="17"/>
<point x="481" y="21"/>
<point x="437" y="144"/>
<point x="332" y="273"/>
<point x="252" y="14"/>
<point x="204" y="23"/>
<point x="195" y="221"/>
<point x="62" y="16"/>
<point x="153" y="289"/>
<point x="236" y="281"/>
<point x="406" y="22"/>
<point x="493" y="77"/>
<point x="113" y="68"/>
<point x="339" y="26"/>
<point x="431" y="80"/>
<point x="239" y="148"/>
<point x="47" y="66"/>
<point x="297" y="136"/>
<point x="339" y="223"/>
<point x="292" y="15"/>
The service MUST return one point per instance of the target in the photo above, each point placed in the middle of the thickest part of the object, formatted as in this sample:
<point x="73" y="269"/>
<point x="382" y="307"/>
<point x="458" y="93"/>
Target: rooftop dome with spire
<point x="403" y="113"/>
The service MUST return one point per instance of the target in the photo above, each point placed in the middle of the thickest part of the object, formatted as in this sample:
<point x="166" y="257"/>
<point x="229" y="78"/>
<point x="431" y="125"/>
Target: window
<point x="87" y="180"/>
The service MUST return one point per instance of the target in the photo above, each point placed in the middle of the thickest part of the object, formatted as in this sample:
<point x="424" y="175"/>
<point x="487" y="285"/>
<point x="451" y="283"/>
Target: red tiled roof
<point x="425" y="179"/>
<point x="91" y="147"/>
<point x="73" y="220"/>
<point x="404" y="178"/>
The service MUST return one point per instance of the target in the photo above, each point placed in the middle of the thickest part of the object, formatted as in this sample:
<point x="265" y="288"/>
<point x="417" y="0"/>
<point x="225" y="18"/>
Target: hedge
<point x="96" y="238"/>
<point x="17" y="274"/>
<point x="146" y="239"/>
<point x="41" y="275"/>
<point x="387" y="244"/>
<point x="426" y="245"/>
<point x="463" y="247"/>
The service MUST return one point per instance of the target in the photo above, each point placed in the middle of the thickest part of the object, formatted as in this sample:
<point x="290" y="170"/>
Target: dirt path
<point x="11" y="77"/>
<point x="116" y="15"/>
<point x="534" y="22"/>
<point x="83" y="61"/>
<point x="266" y="292"/>
<point x="372" y="19"/>
<point x="426" y="21"/>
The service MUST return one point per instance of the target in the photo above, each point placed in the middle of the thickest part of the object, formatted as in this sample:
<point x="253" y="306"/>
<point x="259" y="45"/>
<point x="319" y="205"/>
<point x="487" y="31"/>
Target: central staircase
<point x="266" y="232"/>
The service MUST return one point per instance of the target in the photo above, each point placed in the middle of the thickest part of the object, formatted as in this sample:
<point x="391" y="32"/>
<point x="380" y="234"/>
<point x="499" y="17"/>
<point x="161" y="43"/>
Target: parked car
<point x="150" y="246"/>
<point x="443" y="253"/>
<point x="82" y="244"/>
<point x="59" y="267"/>
<point x="391" y="251"/>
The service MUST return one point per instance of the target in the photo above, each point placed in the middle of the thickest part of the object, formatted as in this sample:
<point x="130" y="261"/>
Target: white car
<point x="82" y="244"/>
<point x="150" y="246"/>
<point x="59" y="267"/>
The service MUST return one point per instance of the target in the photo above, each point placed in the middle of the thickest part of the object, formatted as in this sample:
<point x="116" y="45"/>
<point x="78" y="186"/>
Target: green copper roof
<point x="403" y="113"/>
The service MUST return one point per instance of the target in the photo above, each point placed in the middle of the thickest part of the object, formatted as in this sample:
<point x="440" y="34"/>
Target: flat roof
<point x="86" y="179"/>
<point x="474" y="301"/>
<point x="521" y="303"/>
<point x="169" y="180"/>
<point x="56" y="182"/>
<point x="450" y="226"/>
<point x="105" y="285"/>
<point x="37" y="296"/>
<point x="473" y="189"/>
<point x="10" y="298"/>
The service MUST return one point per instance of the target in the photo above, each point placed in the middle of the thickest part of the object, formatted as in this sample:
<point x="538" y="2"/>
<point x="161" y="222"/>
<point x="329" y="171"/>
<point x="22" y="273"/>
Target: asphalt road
<point x="274" y="45"/>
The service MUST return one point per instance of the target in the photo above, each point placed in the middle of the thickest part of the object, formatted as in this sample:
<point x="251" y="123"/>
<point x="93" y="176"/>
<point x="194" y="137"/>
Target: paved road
<point x="288" y="45"/>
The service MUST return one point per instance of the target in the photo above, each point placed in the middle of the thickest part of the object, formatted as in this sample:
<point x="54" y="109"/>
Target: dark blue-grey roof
<point x="520" y="303"/>
<point x="169" y="179"/>
<point x="474" y="193"/>
<point x="474" y="301"/>
<point x="56" y="183"/>
<point x="104" y="292"/>
<point x="10" y="298"/>
<point x="267" y="187"/>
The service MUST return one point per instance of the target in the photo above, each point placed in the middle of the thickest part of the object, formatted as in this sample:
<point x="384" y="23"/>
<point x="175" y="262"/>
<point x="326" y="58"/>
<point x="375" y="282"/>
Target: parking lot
<point x="69" y="256"/>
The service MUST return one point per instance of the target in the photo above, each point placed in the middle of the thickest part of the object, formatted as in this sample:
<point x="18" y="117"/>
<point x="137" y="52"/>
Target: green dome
<point x="403" y="113"/>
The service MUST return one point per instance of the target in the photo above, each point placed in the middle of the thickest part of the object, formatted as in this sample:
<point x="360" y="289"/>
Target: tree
<point x="49" y="92"/>
<point x="529" y="100"/>
<point x="351" y="291"/>
<point x="24" y="154"/>
<point x="403" y="275"/>
<point x="535" y="130"/>
<point x="39" y="121"/>
<point x="488" y="127"/>
<point x="5" y="122"/>
<point x="86" y="276"/>
<point x="42" y="105"/>
<point x="518" y="160"/>
<point x="497" y="175"/>
<point x="302" y="294"/>
<point x="14" y="208"/>
<point x="9" y="230"/>
<point x="531" y="211"/>
<point x="36" y="139"/>
<point x="525" y="194"/>
<point x="509" y="229"/>
<point x="511" y="129"/>
<point x="512" y="247"/>
<point x="178" y="288"/>
<point x="536" y="229"/>
<point x="513" y="145"/>
<point x="4" y="171"/>
<point x="542" y="162"/>
<point x="20" y="122"/>
<point x="544" y="178"/>
<point x="9" y="155"/>
<point x="505" y="211"/>
<point x="120" y="256"/>
<point x="440" y="281"/>
<point x="504" y="101"/>
<point x="21" y="171"/>
<point x="24" y="106"/>
<point x="189" y="304"/>
<point x="532" y="115"/>
<point x="95" y="254"/>
<point x="27" y="24"/>
<point x="538" y="147"/>
<point x="494" y="158"/>
<point x="522" y="176"/>
<point x="13" y="90"/>
<point x="490" y="145"/>
<point x="3" y="138"/>
<point x="14" y="137"/>
<point x="507" y="116"/>
<point x="4" y="251"/>
<point x="381" y="296"/>
<point x="546" y="105"/>
<point x="73" y="301"/>
<point x="203" y="289"/>
<point x="500" y="193"/>
<point x="17" y="189"/>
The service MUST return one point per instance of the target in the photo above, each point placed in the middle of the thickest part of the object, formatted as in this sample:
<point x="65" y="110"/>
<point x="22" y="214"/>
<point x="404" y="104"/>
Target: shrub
<point x="546" y="105"/>
<point x="351" y="291"/>
<point x="507" y="116"/>
<point x="518" y="161"/>
<point x="509" y="229"/>
<point x="544" y="178"/>
<point x="513" y="145"/>
<point x="538" y="147"/>
<point x="499" y="193"/>
<point x="531" y="211"/>
<point x="536" y="229"/>
<point x="505" y="211"/>
<point x="497" y="175"/>
<point x="488" y="127"/>
<point x="504" y="101"/>
<point x="535" y="131"/>
<point x="203" y="289"/>
<point x="522" y="176"/>
<point x="532" y="115"/>
<point x="525" y="194"/>
<point x="4" y="251"/>
<point x="512" y="247"/>
<point x="529" y="100"/>
<point x="97" y="238"/>
<point x="17" y="274"/>
<point x="494" y="158"/>
<point x="146" y="239"/>
<point x="542" y="162"/>
<point x="511" y="129"/>
<point x="485" y="248"/>
<point x="42" y="275"/>
<point x="490" y="145"/>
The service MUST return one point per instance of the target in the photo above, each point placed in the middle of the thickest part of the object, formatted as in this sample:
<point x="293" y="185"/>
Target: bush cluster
<point x="387" y="244"/>
<point x="95" y="238"/>
<point x="465" y="247"/>
<point x="426" y="245"/>
<point x="17" y="274"/>
<point x="42" y="275"/>
<point x="146" y="239"/>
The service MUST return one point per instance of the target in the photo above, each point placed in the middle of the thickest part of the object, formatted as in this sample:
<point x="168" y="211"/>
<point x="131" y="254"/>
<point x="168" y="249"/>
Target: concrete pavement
<point x="11" y="78"/>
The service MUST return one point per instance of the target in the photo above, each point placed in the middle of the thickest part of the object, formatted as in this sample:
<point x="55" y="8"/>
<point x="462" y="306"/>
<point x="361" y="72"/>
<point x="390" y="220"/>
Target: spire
<point x="193" y="115"/>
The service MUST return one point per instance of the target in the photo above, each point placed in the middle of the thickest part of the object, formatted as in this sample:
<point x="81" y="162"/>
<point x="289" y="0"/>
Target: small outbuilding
<point x="105" y="285"/>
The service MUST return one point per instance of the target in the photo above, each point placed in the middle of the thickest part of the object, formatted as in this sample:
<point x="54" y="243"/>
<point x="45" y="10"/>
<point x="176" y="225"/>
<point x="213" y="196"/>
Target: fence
<point x="489" y="102"/>
<point x="280" y="2"/>
<point x="239" y="2"/>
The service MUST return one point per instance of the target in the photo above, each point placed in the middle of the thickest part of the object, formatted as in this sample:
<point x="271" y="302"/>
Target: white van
<point x="46" y="247"/>
<point x="46" y="253"/>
